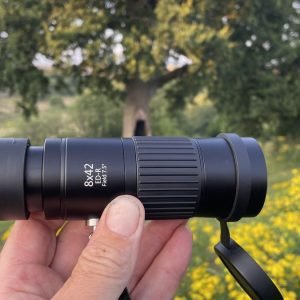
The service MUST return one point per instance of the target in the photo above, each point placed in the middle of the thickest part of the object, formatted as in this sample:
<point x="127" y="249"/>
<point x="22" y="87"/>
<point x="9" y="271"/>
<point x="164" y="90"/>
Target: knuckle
<point x="104" y="261"/>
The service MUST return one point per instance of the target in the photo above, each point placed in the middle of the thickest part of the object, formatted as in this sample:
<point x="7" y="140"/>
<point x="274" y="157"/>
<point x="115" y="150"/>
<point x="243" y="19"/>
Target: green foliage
<point x="246" y="53"/>
<point x="256" y="86"/>
<point x="146" y="32"/>
<point x="96" y="115"/>
<point x="201" y="118"/>
<point x="4" y="225"/>
<point x="198" y="118"/>
<point x="21" y="39"/>
<point x="162" y="122"/>
<point x="56" y="101"/>
<point x="118" y="41"/>
<point x="49" y="123"/>
<point x="90" y="115"/>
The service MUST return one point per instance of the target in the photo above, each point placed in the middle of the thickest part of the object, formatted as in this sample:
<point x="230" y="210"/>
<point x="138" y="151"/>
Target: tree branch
<point x="160" y="81"/>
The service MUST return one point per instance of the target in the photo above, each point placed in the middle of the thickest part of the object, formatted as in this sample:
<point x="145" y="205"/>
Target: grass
<point x="282" y="155"/>
<point x="4" y="225"/>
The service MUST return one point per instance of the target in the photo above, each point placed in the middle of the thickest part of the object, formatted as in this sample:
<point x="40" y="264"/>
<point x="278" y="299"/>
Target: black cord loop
<point x="244" y="268"/>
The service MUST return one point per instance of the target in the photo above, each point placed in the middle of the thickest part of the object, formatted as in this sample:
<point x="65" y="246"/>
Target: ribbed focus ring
<point x="168" y="181"/>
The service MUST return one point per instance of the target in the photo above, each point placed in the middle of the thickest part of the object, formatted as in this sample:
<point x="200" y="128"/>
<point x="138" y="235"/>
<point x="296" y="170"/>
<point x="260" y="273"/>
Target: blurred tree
<point x="95" y="115"/>
<point x="197" y="118"/>
<point x="133" y="47"/>
<point x="245" y="52"/>
<point x="127" y="47"/>
<point x="256" y="84"/>
<point x="21" y="37"/>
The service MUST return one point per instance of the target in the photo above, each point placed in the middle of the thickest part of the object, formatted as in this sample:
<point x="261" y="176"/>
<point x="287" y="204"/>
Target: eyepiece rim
<point x="12" y="161"/>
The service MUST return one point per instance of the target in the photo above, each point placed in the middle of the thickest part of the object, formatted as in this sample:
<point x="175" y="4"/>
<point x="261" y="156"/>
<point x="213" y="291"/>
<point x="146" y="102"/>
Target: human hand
<point x="149" y="259"/>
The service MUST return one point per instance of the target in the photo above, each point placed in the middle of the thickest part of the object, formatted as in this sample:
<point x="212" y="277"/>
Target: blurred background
<point x="173" y="67"/>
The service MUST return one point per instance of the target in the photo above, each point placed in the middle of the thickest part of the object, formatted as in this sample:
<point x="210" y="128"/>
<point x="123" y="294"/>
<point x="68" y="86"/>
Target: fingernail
<point x="123" y="216"/>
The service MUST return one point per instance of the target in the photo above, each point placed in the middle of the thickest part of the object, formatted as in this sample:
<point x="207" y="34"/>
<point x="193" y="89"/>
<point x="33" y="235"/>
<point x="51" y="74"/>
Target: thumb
<point x="106" y="264"/>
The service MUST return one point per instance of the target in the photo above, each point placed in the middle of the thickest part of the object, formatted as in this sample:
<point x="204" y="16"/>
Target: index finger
<point x="31" y="242"/>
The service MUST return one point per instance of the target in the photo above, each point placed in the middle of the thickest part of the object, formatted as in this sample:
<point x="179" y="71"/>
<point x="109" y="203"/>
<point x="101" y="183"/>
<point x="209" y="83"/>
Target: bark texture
<point x="138" y="97"/>
<point x="136" y="107"/>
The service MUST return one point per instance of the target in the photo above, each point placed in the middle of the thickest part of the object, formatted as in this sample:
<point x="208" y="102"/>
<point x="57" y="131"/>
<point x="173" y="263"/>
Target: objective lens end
<point x="251" y="176"/>
<point x="258" y="177"/>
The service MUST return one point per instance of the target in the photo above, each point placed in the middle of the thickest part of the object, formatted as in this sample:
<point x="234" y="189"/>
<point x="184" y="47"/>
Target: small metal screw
<point x="92" y="222"/>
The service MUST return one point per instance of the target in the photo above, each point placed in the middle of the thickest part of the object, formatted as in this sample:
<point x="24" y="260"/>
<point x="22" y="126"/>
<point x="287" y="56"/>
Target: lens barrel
<point x="75" y="178"/>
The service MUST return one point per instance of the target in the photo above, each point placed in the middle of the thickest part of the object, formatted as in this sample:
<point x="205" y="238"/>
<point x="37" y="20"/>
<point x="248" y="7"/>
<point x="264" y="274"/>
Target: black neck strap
<point x="250" y="276"/>
<point x="244" y="268"/>
<point x="125" y="295"/>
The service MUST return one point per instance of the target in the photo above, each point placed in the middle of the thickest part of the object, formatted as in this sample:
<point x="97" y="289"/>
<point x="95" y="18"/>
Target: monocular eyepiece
<point x="75" y="178"/>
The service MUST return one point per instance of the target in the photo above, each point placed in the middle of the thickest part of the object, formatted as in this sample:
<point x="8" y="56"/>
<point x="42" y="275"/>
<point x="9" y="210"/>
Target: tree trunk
<point x="136" y="110"/>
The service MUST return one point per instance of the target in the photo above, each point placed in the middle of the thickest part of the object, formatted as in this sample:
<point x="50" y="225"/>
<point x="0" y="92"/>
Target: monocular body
<point x="75" y="178"/>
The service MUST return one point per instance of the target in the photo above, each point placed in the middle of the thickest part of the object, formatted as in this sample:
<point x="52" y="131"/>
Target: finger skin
<point x="29" y="281"/>
<point x="32" y="247"/>
<point x="106" y="264"/>
<point x="24" y="271"/>
<point x="70" y="243"/>
<point x="155" y="235"/>
<point x="165" y="273"/>
<point x="31" y="241"/>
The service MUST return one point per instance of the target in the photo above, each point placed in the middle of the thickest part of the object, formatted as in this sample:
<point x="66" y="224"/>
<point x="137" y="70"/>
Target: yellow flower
<point x="6" y="234"/>
<point x="289" y="295"/>
<point x="208" y="228"/>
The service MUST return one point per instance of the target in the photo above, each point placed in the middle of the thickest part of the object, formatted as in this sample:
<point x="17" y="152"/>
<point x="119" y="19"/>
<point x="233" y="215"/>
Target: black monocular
<point x="75" y="178"/>
<point x="174" y="177"/>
